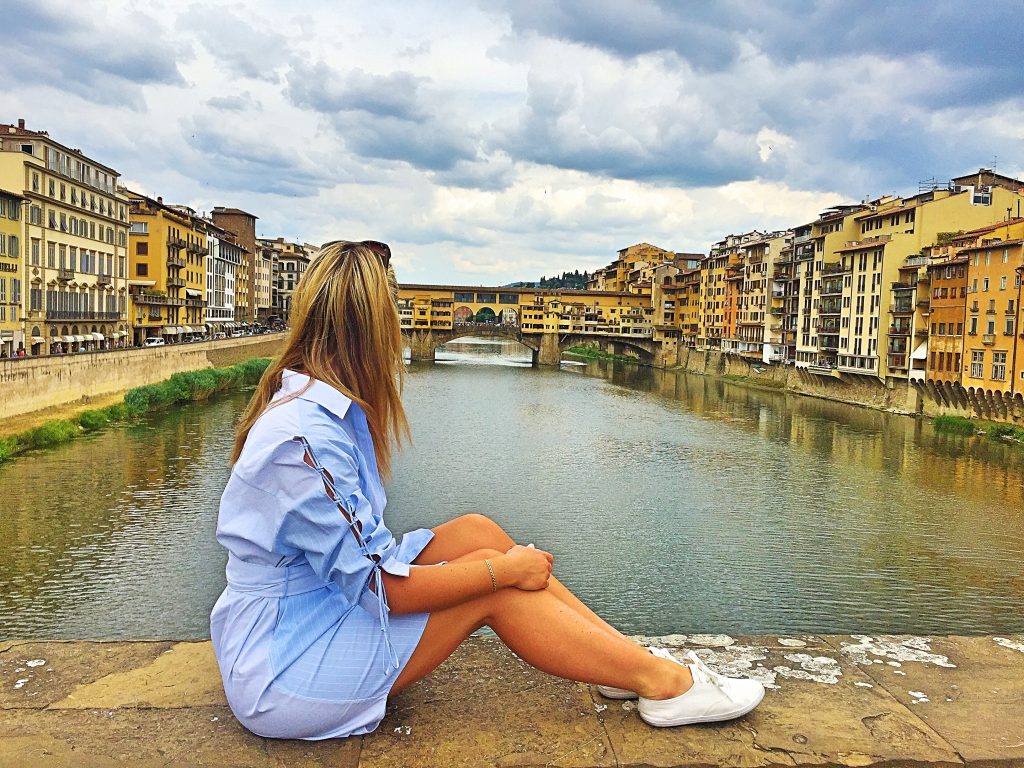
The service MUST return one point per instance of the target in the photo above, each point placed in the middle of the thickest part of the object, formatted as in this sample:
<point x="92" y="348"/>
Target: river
<point x="672" y="502"/>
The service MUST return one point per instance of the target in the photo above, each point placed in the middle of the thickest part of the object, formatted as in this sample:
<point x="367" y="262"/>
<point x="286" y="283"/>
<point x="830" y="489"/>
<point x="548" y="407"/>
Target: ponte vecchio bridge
<point x="547" y="321"/>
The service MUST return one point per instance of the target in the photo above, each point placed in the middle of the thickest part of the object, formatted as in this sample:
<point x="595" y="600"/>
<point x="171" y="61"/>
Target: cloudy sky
<point x="499" y="140"/>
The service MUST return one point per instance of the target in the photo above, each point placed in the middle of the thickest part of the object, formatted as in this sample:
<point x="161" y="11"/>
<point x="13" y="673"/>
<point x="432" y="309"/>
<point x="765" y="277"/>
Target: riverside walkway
<point x="831" y="700"/>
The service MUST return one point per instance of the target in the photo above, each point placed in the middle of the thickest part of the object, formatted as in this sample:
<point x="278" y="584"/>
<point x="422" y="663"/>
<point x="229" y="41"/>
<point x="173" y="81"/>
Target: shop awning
<point x="67" y="339"/>
<point x="97" y="336"/>
<point x="142" y="283"/>
<point x="921" y="353"/>
<point x="193" y="292"/>
<point x="79" y="337"/>
<point x="188" y="329"/>
<point x="38" y="339"/>
<point x="170" y="330"/>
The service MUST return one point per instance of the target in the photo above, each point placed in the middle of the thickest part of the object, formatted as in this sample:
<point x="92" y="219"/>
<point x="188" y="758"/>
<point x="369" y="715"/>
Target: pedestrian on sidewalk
<point x="326" y="614"/>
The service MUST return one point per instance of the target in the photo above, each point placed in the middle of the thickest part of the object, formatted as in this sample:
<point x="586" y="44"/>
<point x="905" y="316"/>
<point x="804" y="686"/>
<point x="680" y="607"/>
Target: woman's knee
<point x="486" y="530"/>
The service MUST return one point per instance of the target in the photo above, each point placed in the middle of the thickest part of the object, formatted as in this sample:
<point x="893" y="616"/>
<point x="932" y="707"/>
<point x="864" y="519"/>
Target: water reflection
<point x="673" y="503"/>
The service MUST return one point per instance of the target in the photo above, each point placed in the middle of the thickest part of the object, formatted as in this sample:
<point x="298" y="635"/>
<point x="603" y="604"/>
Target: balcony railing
<point x="175" y="261"/>
<point x="81" y="314"/>
<point x="152" y="298"/>
<point x="64" y="273"/>
<point x="175" y="282"/>
<point x="176" y="242"/>
<point x="102" y="279"/>
<point x="899" y="330"/>
<point x="902" y="287"/>
<point x="988" y="338"/>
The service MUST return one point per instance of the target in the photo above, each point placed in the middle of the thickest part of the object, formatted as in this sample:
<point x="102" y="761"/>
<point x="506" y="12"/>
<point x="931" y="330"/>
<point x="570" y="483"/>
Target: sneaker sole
<point x="621" y="695"/>
<point x="739" y="712"/>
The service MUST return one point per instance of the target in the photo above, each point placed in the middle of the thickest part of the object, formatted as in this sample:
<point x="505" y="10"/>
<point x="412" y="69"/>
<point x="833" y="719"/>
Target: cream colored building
<point x="74" y="284"/>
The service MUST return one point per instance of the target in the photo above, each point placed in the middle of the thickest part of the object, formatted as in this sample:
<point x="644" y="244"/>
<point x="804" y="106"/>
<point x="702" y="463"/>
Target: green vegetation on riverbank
<point x="593" y="353"/>
<point x="179" y="388"/>
<point x="959" y="425"/>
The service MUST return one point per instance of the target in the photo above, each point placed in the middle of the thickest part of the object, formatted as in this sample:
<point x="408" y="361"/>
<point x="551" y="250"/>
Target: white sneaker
<point x="611" y="692"/>
<point x="711" y="698"/>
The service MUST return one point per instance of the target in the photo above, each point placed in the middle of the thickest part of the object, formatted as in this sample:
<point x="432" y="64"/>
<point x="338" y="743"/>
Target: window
<point x="35" y="252"/>
<point x="1002" y="283"/>
<point x="1009" y="327"/>
<point x="142" y="270"/>
<point x="942" y="329"/>
<point x="959" y="329"/>
<point x="984" y="284"/>
<point x="51" y="255"/>
<point x="141" y="249"/>
<point x="999" y="366"/>
<point x="974" y="326"/>
<point x="977" y="363"/>
<point x="35" y="215"/>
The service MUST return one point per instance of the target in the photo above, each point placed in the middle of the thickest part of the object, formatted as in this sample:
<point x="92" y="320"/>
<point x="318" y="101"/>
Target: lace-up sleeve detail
<point x="328" y="519"/>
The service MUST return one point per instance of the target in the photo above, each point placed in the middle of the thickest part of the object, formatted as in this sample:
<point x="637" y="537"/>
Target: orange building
<point x="992" y="357"/>
<point x="946" y="314"/>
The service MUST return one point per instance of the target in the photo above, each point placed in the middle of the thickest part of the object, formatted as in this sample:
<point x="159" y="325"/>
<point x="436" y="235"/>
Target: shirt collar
<point x="319" y="392"/>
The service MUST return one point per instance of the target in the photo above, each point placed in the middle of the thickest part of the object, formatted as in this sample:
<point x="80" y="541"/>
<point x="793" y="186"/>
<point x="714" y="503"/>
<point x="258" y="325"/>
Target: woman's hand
<point x="529" y="568"/>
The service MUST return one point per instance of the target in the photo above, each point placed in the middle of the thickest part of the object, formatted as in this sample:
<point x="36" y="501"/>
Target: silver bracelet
<point x="494" y="581"/>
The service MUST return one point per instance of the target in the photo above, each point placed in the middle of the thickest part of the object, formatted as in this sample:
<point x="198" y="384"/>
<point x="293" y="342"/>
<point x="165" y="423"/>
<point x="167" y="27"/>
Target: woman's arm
<point x="434" y="587"/>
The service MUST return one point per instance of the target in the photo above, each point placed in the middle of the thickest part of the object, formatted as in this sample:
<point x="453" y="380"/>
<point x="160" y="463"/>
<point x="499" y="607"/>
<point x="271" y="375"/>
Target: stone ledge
<point x="832" y="700"/>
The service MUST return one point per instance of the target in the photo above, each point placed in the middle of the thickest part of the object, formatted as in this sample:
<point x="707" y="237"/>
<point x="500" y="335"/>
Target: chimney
<point x="21" y="123"/>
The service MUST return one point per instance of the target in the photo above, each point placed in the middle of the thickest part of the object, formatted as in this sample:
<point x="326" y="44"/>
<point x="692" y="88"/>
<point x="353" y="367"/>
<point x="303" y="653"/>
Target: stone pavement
<point x="831" y="700"/>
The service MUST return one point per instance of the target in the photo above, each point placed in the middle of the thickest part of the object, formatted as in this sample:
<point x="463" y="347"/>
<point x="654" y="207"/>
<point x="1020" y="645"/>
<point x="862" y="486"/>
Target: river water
<point x="672" y="503"/>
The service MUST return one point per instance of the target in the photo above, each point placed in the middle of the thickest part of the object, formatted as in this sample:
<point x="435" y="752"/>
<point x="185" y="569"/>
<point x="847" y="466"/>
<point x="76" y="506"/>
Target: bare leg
<point x="549" y="635"/>
<point x="470" y="533"/>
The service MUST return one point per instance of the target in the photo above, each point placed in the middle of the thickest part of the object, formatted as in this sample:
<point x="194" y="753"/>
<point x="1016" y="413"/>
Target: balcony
<point x="777" y="311"/>
<point x="897" y="362"/>
<point x="194" y="302"/>
<point x="175" y="282"/>
<point x="63" y="273"/>
<point x="988" y="338"/>
<point x="175" y="261"/>
<point x="829" y="309"/>
<point x="157" y="298"/>
<point x="832" y="290"/>
<point x="176" y="242"/>
<point x="81" y="314"/>
<point x="902" y="286"/>
<point x="832" y="269"/>
<point x="102" y="279"/>
<point x="899" y="330"/>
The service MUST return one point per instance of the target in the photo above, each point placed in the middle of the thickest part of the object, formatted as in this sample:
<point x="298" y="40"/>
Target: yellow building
<point x="890" y="258"/>
<point x="632" y="270"/>
<point x="168" y="270"/>
<point x="532" y="310"/>
<point x="74" y="239"/>
<point x="12" y="267"/>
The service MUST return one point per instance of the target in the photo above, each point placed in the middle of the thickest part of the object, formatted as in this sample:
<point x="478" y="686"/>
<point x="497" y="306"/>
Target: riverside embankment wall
<point x="855" y="390"/>
<point x="33" y="384"/>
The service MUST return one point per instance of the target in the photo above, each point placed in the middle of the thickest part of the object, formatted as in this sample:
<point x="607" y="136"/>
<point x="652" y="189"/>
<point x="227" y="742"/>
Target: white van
<point x="154" y="341"/>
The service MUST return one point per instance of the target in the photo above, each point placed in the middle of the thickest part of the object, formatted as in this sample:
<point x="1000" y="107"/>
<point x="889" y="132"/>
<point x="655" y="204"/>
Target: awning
<point x="143" y="283"/>
<point x="38" y="339"/>
<point x="97" y="336"/>
<point x="188" y="329"/>
<point x="67" y="339"/>
<point x="193" y="292"/>
<point x="79" y="337"/>
<point x="170" y="330"/>
<point x="921" y="353"/>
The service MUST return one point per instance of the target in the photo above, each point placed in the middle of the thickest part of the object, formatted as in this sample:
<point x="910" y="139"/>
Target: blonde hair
<point x="345" y="332"/>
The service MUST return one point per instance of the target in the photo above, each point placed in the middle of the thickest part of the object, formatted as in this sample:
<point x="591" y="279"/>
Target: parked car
<point x="154" y="341"/>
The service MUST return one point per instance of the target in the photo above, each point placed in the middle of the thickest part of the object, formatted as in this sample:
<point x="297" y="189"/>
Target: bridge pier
<point x="422" y="345"/>
<point x="548" y="354"/>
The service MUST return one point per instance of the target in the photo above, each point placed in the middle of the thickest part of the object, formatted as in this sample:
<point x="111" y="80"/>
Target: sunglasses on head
<point x="381" y="249"/>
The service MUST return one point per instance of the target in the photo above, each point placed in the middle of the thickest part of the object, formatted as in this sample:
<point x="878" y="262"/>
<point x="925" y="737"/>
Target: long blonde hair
<point x="345" y="332"/>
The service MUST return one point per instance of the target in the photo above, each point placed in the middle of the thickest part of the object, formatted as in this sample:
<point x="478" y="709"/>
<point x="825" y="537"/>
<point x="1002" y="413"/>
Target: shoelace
<point x="707" y="675"/>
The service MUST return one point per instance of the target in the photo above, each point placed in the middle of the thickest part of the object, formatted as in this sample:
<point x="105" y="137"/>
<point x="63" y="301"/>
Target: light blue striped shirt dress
<point x="302" y="632"/>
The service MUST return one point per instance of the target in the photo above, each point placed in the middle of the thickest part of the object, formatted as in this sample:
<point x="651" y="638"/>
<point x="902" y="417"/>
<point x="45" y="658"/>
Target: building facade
<point x="223" y="257"/>
<point x="243" y="226"/>
<point x="168" y="270"/>
<point x="12" y="268"/>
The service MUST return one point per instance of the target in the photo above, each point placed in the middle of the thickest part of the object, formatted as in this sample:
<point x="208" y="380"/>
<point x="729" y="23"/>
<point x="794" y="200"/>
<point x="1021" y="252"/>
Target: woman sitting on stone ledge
<point x="325" y="614"/>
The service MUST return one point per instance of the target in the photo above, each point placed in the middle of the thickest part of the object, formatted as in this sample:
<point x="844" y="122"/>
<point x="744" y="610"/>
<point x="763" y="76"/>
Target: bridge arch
<point x="486" y="315"/>
<point x="463" y="315"/>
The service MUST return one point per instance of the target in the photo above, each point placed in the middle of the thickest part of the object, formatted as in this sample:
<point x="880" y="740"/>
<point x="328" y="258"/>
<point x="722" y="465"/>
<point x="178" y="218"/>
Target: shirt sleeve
<point x="325" y="514"/>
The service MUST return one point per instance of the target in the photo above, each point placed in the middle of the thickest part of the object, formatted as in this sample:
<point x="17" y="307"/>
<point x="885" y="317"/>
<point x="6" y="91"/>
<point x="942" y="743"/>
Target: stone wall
<point x="855" y="390"/>
<point x="32" y="384"/>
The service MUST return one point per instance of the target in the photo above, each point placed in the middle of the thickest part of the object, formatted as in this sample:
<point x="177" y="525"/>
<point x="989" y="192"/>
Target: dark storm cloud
<point x="222" y="158"/>
<point x="324" y="89"/>
<point x="111" y="56"/>
<point x="976" y="38"/>
<point x="381" y="116"/>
